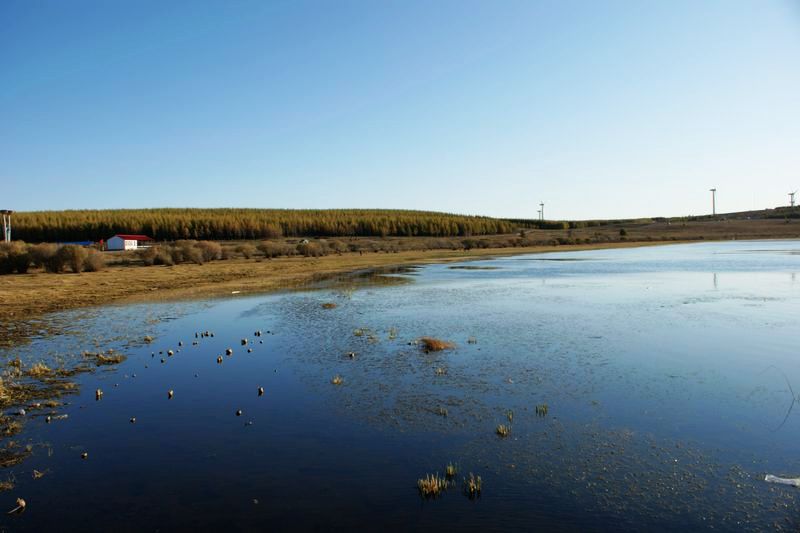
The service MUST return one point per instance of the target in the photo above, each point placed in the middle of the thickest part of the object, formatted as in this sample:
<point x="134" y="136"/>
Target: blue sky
<point x="599" y="109"/>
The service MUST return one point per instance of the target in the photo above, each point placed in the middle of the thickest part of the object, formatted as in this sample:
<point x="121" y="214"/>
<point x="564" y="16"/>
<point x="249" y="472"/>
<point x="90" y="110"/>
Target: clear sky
<point x="599" y="109"/>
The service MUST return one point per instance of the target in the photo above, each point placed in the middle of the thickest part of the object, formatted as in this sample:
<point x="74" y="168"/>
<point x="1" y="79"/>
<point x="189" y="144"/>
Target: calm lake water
<point x="666" y="372"/>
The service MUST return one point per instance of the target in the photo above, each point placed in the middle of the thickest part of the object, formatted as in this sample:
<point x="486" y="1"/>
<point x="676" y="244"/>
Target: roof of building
<point x="132" y="237"/>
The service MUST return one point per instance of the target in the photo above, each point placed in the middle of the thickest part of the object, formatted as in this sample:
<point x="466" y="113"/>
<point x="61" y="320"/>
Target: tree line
<point x="170" y="224"/>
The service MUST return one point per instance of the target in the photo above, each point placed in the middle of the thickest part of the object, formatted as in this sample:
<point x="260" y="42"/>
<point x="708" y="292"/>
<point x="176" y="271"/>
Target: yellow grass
<point x="431" y="485"/>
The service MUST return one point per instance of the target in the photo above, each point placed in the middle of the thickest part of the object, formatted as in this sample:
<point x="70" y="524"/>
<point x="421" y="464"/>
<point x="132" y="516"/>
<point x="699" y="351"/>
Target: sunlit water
<point x="666" y="372"/>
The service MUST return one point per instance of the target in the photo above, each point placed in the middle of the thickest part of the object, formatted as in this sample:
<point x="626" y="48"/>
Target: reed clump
<point x="39" y="370"/>
<point x="503" y="430"/>
<point x="430" y="344"/>
<point x="337" y="380"/>
<point x="432" y="485"/>
<point x="329" y="305"/>
<point x="473" y="485"/>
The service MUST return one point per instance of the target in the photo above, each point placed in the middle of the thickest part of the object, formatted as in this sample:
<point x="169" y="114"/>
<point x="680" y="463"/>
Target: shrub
<point x="73" y="256"/>
<point x="209" y="250"/>
<point x="94" y="262"/>
<point x="247" y="250"/>
<point x="45" y="255"/>
<point x="156" y="256"/>
<point x="14" y="257"/>
<point x="310" y="249"/>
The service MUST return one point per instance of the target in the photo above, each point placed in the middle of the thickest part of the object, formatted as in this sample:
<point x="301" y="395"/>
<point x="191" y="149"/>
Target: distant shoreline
<point x="30" y="296"/>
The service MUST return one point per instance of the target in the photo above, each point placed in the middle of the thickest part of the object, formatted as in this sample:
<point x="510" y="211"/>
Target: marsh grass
<point x="472" y="486"/>
<point x="329" y="305"/>
<point x="337" y="380"/>
<point x="430" y="344"/>
<point x="441" y="371"/>
<point x="503" y="430"/>
<point x="7" y="485"/>
<point x="39" y="370"/>
<point x="432" y="485"/>
<point x="541" y="410"/>
<point x="450" y="470"/>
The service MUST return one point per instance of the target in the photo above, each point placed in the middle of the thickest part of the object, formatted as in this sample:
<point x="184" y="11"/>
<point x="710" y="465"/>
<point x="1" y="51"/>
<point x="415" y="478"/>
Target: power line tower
<point x="713" y="201"/>
<point x="791" y="198"/>
<point x="6" y="213"/>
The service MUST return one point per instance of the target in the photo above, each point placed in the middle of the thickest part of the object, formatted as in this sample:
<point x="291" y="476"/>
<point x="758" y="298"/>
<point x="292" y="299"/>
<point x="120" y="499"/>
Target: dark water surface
<point x="666" y="372"/>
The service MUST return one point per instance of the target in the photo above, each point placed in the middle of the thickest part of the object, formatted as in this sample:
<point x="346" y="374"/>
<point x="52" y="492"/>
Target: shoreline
<point x="28" y="297"/>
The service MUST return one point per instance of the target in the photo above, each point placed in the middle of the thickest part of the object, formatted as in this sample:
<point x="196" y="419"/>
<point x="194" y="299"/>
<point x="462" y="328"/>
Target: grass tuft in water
<point x="472" y="486"/>
<point x="329" y="305"/>
<point x="503" y="430"/>
<point x="337" y="380"/>
<point x="39" y="370"/>
<point x="429" y="344"/>
<point x="541" y="410"/>
<point x="431" y="486"/>
<point x="450" y="470"/>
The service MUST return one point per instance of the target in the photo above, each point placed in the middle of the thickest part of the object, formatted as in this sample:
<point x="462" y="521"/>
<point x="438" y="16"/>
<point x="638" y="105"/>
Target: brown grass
<point x="429" y="344"/>
<point x="329" y="305"/>
<point x="337" y="380"/>
<point x="503" y="430"/>
<point x="432" y="485"/>
<point x="39" y="370"/>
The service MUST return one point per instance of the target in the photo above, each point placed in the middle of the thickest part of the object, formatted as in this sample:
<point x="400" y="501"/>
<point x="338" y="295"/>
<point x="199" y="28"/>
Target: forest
<point x="169" y="224"/>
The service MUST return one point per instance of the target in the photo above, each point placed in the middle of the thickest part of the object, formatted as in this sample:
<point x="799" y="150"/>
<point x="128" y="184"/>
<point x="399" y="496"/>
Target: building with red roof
<point x="123" y="241"/>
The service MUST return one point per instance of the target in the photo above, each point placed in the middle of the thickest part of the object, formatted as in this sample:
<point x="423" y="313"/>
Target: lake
<point x="645" y="389"/>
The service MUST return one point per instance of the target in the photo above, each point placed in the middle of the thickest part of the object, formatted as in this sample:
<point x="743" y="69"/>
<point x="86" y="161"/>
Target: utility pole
<point x="713" y="201"/>
<point x="6" y="213"/>
<point x="541" y="213"/>
<point x="791" y="198"/>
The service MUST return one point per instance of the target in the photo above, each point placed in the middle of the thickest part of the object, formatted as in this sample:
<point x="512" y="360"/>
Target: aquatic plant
<point x="337" y="380"/>
<point x="329" y="305"/>
<point x="541" y="409"/>
<point x="430" y="344"/>
<point x="441" y="371"/>
<point x="450" y="470"/>
<point x="148" y="339"/>
<point x="510" y="416"/>
<point x="39" y="370"/>
<point x="472" y="486"/>
<point x="110" y="359"/>
<point x="503" y="430"/>
<point x="432" y="485"/>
